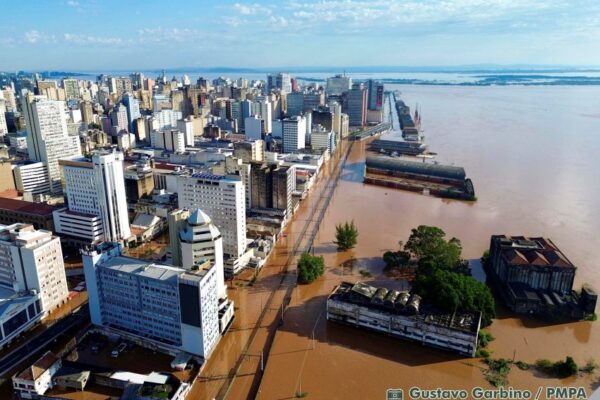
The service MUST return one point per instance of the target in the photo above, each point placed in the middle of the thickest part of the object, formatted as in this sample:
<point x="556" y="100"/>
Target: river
<point x="532" y="153"/>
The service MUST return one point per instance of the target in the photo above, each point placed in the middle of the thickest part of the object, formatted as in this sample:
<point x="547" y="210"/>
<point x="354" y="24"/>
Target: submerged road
<point x="246" y="370"/>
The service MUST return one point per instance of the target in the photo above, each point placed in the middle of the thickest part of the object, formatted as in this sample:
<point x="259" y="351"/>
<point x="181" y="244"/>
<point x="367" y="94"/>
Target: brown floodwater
<point x="533" y="156"/>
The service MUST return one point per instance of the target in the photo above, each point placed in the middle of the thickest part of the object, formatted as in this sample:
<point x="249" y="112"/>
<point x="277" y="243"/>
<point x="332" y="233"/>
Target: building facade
<point x="223" y="199"/>
<point x="95" y="193"/>
<point x="47" y="136"/>
<point x="32" y="259"/>
<point x="162" y="306"/>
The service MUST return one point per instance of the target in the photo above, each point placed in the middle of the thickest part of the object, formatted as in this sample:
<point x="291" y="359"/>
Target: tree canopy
<point x="310" y="267"/>
<point x="439" y="278"/>
<point x="346" y="236"/>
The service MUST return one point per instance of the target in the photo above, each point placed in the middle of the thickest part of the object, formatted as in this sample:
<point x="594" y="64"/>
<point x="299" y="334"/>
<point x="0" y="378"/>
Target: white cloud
<point x="73" y="3"/>
<point x="252" y="9"/>
<point x="88" y="39"/>
<point x="32" y="36"/>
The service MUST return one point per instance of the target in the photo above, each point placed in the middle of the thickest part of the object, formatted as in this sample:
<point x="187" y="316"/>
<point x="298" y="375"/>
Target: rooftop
<point x="38" y="367"/>
<point x="386" y="301"/>
<point x="535" y="251"/>
<point x="26" y="207"/>
<point x="416" y="167"/>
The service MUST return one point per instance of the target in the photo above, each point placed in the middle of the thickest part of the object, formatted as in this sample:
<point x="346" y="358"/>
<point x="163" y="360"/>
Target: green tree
<point x="452" y="291"/>
<point x="310" y="267"/>
<point x="346" y="236"/>
<point x="428" y="245"/>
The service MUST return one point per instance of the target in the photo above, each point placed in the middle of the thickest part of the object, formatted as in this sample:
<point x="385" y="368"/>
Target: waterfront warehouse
<point x="403" y="315"/>
<point x="534" y="276"/>
<point x="438" y="180"/>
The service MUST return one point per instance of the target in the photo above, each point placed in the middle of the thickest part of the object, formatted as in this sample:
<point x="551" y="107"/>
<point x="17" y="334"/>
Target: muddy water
<point x="532" y="153"/>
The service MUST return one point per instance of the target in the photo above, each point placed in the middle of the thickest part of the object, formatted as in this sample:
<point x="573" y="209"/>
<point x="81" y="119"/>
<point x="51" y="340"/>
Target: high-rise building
<point x="281" y="81"/>
<point x="337" y="85"/>
<point x="32" y="178"/>
<point x="187" y="127"/>
<point x="47" y="135"/>
<point x="266" y="113"/>
<point x="95" y="193"/>
<point x="356" y="105"/>
<point x="3" y="126"/>
<point x="294" y="134"/>
<point x="249" y="150"/>
<point x="32" y="259"/>
<point x="118" y="119"/>
<point x="201" y="241"/>
<point x="71" y="87"/>
<point x="87" y="112"/>
<point x="375" y="95"/>
<point x="295" y="104"/>
<point x="223" y="199"/>
<point x="323" y="116"/>
<point x="253" y="127"/>
<point x="272" y="186"/>
<point x="160" y="305"/>
<point x="133" y="109"/>
<point x="173" y="140"/>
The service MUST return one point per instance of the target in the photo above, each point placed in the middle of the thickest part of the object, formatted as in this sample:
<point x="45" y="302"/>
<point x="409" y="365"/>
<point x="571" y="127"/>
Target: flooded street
<point x="532" y="154"/>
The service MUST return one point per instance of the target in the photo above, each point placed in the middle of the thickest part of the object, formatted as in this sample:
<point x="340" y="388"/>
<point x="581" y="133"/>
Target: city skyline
<point x="118" y="36"/>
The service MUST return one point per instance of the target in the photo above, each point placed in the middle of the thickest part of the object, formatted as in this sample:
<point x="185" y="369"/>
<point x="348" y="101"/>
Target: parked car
<point x="118" y="350"/>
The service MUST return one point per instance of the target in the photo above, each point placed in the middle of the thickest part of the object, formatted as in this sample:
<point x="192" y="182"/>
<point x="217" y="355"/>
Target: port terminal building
<point x="534" y="276"/>
<point x="403" y="315"/>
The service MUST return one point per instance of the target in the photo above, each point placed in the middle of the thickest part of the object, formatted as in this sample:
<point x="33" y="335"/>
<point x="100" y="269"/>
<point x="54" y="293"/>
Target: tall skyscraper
<point x="375" y="95"/>
<point x="337" y="85"/>
<point x="281" y="81"/>
<point x="294" y="134"/>
<point x="266" y="113"/>
<point x="295" y="104"/>
<point x="32" y="259"/>
<point x="272" y="186"/>
<point x="71" y="87"/>
<point x="356" y="105"/>
<point x="223" y="198"/>
<point x="133" y="109"/>
<point x="48" y="139"/>
<point x="95" y="192"/>
<point x="118" y="119"/>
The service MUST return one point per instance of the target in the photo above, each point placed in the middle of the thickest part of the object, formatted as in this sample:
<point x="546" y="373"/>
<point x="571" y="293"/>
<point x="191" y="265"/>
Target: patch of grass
<point x="483" y="353"/>
<point x="522" y="365"/>
<point x="498" y="370"/>
<point x="591" y="317"/>
<point x="485" y="338"/>
<point x="590" y="366"/>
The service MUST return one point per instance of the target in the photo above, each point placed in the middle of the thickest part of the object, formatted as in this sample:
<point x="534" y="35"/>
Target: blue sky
<point x="131" y="34"/>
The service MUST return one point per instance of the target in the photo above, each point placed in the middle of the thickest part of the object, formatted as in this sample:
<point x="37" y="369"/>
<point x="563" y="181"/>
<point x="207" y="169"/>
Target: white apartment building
<point x="95" y="192"/>
<point x="201" y="241"/>
<point x="32" y="259"/>
<point x="294" y="134"/>
<point x="158" y="306"/>
<point x="47" y="135"/>
<point x="3" y="126"/>
<point x="187" y="127"/>
<point x="170" y="140"/>
<point x="167" y="119"/>
<point x="223" y="199"/>
<point x="32" y="178"/>
<point x="266" y="113"/>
